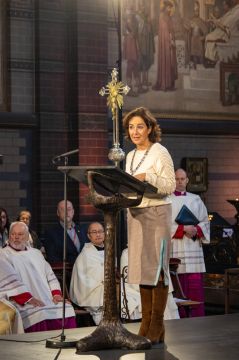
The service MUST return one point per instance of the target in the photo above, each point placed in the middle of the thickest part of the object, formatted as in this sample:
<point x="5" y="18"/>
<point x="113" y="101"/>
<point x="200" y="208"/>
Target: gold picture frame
<point x="197" y="171"/>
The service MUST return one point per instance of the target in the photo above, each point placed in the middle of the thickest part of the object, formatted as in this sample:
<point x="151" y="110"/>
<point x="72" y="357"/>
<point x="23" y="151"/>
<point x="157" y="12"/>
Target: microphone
<point x="59" y="157"/>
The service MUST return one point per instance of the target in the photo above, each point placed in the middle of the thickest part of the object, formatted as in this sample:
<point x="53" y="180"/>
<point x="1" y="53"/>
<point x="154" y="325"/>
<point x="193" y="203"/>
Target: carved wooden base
<point x="112" y="335"/>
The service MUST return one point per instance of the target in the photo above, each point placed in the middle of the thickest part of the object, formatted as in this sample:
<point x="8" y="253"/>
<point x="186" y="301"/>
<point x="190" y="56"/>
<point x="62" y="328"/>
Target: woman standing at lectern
<point x="149" y="224"/>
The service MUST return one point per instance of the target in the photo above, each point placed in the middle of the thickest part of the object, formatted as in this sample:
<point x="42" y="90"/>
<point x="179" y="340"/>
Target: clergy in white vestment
<point x="27" y="280"/>
<point x="187" y="241"/>
<point x="87" y="281"/>
<point x="134" y="300"/>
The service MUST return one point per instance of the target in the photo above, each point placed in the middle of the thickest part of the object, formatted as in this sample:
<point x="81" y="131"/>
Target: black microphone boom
<point x="59" y="157"/>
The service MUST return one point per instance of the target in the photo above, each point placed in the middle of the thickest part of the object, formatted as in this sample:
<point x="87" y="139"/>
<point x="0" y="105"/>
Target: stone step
<point x="203" y="73"/>
<point x="202" y="95"/>
<point x="205" y="84"/>
<point x="199" y="93"/>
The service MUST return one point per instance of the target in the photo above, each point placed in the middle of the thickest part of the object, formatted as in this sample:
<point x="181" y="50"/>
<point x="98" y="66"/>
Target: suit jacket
<point x="36" y="241"/>
<point x="53" y="243"/>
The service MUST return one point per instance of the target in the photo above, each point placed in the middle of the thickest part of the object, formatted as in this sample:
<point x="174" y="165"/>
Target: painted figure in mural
<point x="215" y="13"/>
<point x="226" y="28"/>
<point x="146" y="44"/>
<point x="138" y="46"/>
<point x="181" y="26"/>
<point x="131" y="52"/>
<point x="198" y="31"/>
<point x="167" y="61"/>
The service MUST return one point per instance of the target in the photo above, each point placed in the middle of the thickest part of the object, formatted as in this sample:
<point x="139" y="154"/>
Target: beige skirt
<point x="149" y="239"/>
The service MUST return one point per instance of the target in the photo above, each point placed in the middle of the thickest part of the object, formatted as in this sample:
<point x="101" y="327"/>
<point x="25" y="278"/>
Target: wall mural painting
<point x="181" y="57"/>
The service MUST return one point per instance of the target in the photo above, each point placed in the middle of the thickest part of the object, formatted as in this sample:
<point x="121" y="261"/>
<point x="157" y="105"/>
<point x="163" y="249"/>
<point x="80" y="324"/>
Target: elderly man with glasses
<point x="87" y="281"/>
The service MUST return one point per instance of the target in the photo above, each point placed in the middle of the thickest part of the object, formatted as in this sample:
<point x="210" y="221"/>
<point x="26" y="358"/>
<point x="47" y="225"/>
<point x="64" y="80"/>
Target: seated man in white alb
<point x="27" y="280"/>
<point x="134" y="300"/>
<point x="87" y="281"/>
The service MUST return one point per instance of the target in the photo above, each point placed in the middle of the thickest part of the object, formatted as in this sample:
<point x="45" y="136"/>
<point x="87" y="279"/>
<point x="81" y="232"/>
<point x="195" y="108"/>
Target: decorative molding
<point x="200" y="127"/>
<point x="21" y="3"/>
<point x="22" y="14"/>
<point x="18" y="120"/>
<point x="51" y="66"/>
<point x="92" y="68"/>
<point x="52" y="16"/>
<point x="26" y="65"/>
<point x="93" y="19"/>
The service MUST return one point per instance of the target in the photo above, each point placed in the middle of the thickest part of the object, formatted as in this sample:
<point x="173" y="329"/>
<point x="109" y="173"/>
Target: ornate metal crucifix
<point x="115" y="90"/>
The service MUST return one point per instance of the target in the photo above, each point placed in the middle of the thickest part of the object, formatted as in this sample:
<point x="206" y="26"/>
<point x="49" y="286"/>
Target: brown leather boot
<point x="146" y="303"/>
<point x="159" y="299"/>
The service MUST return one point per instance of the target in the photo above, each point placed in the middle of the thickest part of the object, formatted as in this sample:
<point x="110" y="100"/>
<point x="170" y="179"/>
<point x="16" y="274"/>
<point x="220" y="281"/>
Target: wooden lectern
<point x="111" y="190"/>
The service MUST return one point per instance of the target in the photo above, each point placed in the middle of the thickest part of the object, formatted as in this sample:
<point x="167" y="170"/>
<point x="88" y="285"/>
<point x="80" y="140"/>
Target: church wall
<point x="21" y="57"/>
<point x="57" y="64"/>
<point x="92" y="51"/>
<point x="222" y="154"/>
<point x="55" y="107"/>
<point x="17" y="125"/>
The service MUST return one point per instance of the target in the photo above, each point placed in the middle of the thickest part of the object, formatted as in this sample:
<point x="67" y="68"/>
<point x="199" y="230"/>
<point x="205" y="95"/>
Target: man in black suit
<point x="54" y="237"/>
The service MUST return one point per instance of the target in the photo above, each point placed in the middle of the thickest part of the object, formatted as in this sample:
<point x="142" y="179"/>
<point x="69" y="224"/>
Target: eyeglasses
<point x="94" y="232"/>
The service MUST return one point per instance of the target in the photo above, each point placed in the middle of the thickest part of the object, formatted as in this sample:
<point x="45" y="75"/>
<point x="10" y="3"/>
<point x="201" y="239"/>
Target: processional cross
<point x="110" y="333"/>
<point x="115" y="90"/>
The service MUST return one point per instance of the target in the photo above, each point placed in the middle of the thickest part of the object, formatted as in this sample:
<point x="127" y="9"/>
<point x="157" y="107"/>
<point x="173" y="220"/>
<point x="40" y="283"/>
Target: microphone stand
<point x="65" y="156"/>
<point x="62" y="342"/>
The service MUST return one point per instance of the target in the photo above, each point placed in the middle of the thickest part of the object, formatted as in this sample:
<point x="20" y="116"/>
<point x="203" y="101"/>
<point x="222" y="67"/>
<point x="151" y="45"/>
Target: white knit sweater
<point x="159" y="169"/>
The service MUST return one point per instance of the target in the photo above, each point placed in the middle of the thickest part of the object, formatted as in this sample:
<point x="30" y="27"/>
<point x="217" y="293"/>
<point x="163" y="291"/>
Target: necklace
<point x="133" y="171"/>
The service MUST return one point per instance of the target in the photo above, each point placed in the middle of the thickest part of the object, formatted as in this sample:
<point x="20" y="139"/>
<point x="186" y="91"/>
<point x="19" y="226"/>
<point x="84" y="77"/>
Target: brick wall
<point x="15" y="171"/>
<point x="92" y="75"/>
<point x="21" y="56"/>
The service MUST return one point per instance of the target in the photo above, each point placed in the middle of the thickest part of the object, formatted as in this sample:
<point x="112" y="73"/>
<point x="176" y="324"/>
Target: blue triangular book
<point x="186" y="217"/>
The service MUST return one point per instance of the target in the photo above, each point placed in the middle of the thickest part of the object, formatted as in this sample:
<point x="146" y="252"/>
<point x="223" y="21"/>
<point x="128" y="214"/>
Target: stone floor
<point x="205" y="338"/>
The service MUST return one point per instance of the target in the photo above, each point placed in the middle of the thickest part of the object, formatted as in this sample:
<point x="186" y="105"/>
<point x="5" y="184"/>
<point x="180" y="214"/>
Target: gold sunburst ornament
<point x="115" y="91"/>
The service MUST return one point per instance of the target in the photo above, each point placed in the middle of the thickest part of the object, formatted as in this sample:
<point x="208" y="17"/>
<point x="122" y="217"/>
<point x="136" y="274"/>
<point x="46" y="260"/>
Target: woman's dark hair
<point x="7" y="222"/>
<point x="149" y="119"/>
